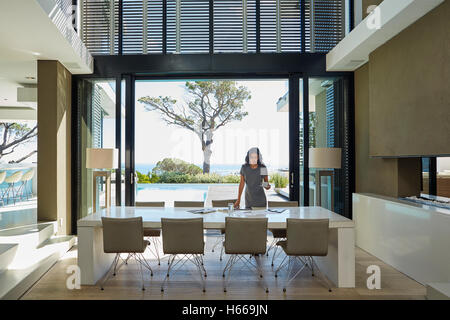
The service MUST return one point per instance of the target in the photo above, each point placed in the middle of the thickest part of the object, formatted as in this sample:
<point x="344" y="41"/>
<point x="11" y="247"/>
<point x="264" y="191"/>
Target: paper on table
<point x="275" y="210"/>
<point x="202" y="211"/>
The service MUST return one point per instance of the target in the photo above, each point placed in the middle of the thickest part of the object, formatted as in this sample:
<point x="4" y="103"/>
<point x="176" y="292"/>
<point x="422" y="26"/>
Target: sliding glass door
<point x="285" y="118"/>
<point x="190" y="137"/>
<point x="325" y="144"/>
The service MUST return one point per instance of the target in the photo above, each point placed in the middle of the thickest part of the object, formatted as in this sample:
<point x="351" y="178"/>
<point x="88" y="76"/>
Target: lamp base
<point x="107" y="175"/>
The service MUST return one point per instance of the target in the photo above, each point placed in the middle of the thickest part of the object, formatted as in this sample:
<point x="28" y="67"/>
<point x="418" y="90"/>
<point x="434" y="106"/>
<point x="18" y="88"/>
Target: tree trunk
<point x="207" y="152"/>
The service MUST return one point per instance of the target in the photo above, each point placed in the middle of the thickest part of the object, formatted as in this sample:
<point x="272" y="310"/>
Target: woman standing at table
<point x="255" y="177"/>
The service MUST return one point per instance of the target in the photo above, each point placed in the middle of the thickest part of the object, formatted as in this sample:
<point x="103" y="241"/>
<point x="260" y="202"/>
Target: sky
<point x="23" y="148"/>
<point x="264" y="127"/>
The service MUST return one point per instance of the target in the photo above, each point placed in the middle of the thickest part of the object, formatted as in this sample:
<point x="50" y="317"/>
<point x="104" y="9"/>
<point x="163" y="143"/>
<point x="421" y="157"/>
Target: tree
<point x="175" y="165"/>
<point x="13" y="134"/>
<point x="209" y="106"/>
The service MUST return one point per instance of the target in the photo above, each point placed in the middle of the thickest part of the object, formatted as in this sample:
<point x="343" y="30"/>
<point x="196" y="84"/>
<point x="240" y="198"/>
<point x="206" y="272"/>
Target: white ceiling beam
<point x="394" y="16"/>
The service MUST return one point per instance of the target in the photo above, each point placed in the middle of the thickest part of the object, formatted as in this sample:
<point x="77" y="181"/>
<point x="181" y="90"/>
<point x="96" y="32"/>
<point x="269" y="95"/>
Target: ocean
<point x="222" y="169"/>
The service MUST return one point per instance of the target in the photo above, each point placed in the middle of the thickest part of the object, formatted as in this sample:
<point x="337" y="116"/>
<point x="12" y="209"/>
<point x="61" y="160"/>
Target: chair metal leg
<point x="168" y="270"/>
<point x="321" y="275"/>
<point x="14" y="194"/>
<point x="156" y="245"/>
<point x="221" y="253"/>
<point x="282" y="264"/>
<point x="274" y="254"/>
<point x="140" y="270"/>
<point x="290" y="268"/>
<point x="261" y="272"/>
<point x="271" y="246"/>
<point x="7" y="193"/>
<point x="155" y="250"/>
<point x="218" y="241"/>
<point x="174" y="265"/>
<point x="246" y="261"/>
<point x="106" y="276"/>
<point x="200" y="268"/>
<point x="196" y="260"/>
<point x="142" y="261"/>
<point x="231" y="262"/>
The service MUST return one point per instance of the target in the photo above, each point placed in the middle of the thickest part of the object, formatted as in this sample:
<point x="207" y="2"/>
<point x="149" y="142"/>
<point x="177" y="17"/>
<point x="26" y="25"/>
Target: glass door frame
<point x="130" y="179"/>
<point x="347" y="102"/>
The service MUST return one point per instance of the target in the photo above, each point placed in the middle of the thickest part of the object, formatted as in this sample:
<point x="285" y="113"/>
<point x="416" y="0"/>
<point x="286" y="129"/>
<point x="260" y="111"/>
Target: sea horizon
<point x="222" y="169"/>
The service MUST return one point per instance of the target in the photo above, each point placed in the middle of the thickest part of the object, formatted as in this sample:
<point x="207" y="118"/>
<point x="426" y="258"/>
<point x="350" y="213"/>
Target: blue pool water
<point x="178" y="191"/>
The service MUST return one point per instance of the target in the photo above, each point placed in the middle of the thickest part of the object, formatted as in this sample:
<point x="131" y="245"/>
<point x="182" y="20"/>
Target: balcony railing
<point x="211" y="26"/>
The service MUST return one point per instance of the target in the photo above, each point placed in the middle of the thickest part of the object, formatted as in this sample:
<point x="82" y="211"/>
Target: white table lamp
<point x="102" y="158"/>
<point x="324" y="158"/>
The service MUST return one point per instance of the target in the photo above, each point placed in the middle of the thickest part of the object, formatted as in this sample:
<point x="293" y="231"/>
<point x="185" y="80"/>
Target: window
<point x="234" y="25"/>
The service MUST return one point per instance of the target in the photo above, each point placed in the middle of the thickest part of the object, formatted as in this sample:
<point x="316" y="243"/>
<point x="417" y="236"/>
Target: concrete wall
<point x="409" y="89"/>
<point x="54" y="143"/>
<point x="390" y="177"/>
<point x="402" y="106"/>
<point x="372" y="175"/>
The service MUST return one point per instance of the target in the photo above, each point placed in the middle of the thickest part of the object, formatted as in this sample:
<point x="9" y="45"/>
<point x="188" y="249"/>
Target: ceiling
<point x="31" y="30"/>
<point x="393" y="17"/>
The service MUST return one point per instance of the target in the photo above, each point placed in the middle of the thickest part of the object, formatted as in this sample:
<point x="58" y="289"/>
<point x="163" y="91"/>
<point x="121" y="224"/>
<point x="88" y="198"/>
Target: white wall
<point x="443" y="164"/>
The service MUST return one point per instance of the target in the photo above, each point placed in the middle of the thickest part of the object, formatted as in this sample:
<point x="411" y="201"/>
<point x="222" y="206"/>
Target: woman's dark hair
<point x="247" y="157"/>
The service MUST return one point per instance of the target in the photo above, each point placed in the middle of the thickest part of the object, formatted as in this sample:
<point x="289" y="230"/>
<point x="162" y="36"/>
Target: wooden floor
<point x="243" y="285"/>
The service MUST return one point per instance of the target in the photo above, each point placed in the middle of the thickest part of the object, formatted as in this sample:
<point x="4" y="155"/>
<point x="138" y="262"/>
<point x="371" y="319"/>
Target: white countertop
<point x="408" y="203"/>
<point x="214" y="220"/>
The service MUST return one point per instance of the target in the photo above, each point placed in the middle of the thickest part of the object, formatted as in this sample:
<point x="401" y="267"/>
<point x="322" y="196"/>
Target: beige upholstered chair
<point x="220" y="204"/>
<point x="306" y="238"/>
<point x="188" y="204"/>
<point x="152" y="234"/>
<point x="245" y="236"/>
<point x="11" y="180"/>
<point x="124" y="235"/>
<point x="184" y="237"/>
<point x="154" y="204"/>
<point x="278" y="234"/>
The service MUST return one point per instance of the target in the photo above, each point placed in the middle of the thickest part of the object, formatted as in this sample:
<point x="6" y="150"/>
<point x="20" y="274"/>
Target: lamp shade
<point x="101" y="158"/>
<point x="324" y="158"/>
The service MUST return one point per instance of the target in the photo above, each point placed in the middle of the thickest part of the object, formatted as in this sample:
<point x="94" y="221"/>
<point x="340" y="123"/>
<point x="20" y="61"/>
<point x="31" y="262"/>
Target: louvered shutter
<point x="330" y="115"/>
<point x="268" y="25"/>
<point x="228" y="26"/>
<point x="100" y="26"/>
<point x="251" y="25"/>
<point x="154" y="26"/>
<point x="97" y="118"/>
<point x="234" y="25"/>
<point x="325" y="20"/>
<point x="133" y="26"/>
<point x="290" y="25"/>
<point x="192" y="26"/>
<point x="171" y="26"/>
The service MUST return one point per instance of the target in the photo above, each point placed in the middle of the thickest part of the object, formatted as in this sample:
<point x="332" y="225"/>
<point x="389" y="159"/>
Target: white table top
<point x="215" y="220"/>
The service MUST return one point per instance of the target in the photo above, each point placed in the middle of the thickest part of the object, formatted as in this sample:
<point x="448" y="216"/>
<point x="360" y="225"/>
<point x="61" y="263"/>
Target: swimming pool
<point x="175" y="191"/>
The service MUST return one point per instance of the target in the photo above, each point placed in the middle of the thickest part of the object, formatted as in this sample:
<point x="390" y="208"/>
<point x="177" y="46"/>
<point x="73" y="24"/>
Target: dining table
<point x="338" y="265"/>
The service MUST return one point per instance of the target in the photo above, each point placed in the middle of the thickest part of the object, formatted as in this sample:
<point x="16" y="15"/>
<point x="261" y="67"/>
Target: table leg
<point x="93" y="262"/>
<point x="339" y="264"/>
